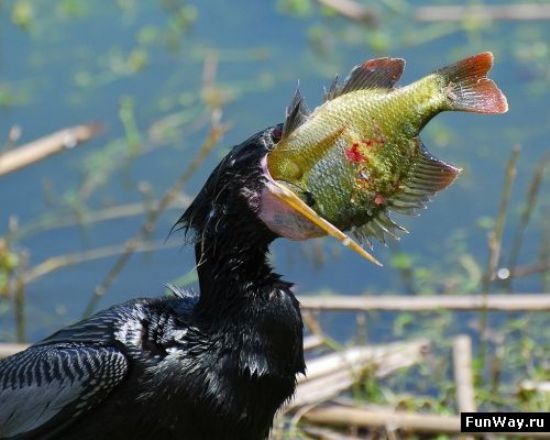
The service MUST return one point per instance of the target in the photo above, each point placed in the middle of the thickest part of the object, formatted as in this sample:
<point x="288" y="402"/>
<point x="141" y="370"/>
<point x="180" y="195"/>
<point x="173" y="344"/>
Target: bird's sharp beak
<point x="288" y="197"/>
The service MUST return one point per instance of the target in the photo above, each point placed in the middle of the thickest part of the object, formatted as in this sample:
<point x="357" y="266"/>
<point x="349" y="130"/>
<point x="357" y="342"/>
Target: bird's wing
<point x="45" y="388"/>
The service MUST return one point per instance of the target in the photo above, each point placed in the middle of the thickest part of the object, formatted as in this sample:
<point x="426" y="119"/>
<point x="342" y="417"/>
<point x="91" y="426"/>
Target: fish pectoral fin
<point x="293" y="201"/>
<point x="296" y="114"/>
<point x="380" y="73"/>
<point x="427" y="176"/>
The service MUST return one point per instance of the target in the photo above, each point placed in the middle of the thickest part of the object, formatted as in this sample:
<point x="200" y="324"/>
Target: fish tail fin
<point x="468" y="88"/>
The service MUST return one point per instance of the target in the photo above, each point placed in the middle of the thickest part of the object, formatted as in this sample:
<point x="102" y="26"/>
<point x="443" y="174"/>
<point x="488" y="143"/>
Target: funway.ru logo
<point x="505" y="422"/>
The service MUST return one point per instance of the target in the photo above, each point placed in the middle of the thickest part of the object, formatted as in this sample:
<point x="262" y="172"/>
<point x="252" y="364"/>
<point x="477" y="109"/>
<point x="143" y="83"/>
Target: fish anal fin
<point x="469" y="89"/>
<point x="296" y="114"/>
<point x="380" y="227"/>
<point x="426" y="176"/>
<point x="380" y="73"/>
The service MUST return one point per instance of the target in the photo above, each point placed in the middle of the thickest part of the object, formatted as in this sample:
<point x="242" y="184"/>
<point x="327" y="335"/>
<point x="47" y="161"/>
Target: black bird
<point x="213" y="365"/>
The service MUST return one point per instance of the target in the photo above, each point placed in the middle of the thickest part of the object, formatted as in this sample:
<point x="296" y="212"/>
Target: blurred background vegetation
<point x="173" y="84"/>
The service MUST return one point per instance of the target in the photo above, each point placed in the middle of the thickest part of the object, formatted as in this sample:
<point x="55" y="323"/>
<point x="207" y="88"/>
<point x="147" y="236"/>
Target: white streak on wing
<point x="29" y="407"/>
<point x="28" y="400"/>
<point x="130" y="332"/>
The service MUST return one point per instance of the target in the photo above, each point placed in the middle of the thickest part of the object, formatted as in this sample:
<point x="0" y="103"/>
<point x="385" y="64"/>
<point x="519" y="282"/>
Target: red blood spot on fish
<point x="353" y="154"/>
<point x="369" y="142"/>
<point x="379" y="199"/>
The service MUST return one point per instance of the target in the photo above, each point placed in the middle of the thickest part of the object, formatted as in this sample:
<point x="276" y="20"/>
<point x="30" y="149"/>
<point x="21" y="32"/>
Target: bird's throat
<point x="233" y="271"/>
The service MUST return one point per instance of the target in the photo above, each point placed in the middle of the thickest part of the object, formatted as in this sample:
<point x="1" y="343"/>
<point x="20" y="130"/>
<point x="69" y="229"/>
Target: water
<point x="77" y="61"/>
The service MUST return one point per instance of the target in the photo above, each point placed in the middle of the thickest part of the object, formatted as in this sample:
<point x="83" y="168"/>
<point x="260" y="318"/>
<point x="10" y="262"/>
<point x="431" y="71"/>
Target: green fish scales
<point x="358" y="155"/>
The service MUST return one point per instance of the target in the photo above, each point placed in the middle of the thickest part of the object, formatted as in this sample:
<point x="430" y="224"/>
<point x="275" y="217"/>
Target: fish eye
<point x="309" y="199"/>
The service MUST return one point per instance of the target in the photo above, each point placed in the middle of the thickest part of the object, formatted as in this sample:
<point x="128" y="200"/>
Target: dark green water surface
<point x="67" y="62"/>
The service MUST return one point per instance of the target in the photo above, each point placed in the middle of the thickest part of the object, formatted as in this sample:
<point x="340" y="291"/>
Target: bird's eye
<point x="277" y="133"/>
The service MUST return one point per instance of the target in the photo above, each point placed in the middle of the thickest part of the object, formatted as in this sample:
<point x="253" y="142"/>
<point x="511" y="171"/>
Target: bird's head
<point x="230" y="202"/>
<point x="241" y="199"/>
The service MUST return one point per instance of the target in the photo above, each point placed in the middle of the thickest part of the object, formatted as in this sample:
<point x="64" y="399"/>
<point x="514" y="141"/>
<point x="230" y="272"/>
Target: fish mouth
<point x="289" y="216"/>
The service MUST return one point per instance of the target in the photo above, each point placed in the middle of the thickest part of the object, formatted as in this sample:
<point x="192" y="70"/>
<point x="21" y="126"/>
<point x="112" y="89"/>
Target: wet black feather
<point x="216" y="364"/>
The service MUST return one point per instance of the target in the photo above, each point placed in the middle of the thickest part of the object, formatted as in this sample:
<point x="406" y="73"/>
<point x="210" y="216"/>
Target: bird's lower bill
<point x="282" y="218"/>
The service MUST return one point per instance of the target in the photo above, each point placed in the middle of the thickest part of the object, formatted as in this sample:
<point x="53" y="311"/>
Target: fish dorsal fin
<point x="296" y="113"/>
<point x="426" y="176"/>
<point x="380" y="73"/>
<point x="334" y="89"/>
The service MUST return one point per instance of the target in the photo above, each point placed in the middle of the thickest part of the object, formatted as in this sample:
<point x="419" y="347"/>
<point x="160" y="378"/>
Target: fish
<point x="357" y="157"/>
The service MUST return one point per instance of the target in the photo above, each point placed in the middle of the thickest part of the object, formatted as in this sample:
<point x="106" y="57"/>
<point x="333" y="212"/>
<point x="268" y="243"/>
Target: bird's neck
<point x="242" y="299"/>
<point x="233" y="272"/>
